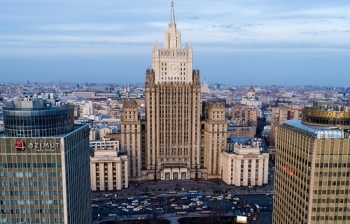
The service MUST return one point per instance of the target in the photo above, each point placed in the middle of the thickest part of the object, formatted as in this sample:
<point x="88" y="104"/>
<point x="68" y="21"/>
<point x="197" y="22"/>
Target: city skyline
<point x="238" y="43"/>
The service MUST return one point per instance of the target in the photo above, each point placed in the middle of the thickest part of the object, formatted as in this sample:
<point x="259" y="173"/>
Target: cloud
<point x="220" y="24"/>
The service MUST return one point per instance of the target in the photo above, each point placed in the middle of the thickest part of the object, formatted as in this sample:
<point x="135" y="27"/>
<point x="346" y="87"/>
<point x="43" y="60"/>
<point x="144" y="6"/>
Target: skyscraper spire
<point x="172" y="15"/>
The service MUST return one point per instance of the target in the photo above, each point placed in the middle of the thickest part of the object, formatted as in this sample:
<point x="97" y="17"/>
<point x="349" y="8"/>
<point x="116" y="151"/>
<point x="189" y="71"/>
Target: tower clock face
<point x="174" y="68"/>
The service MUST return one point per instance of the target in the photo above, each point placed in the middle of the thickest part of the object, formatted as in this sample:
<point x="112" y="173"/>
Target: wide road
<point x="172" y="203"/>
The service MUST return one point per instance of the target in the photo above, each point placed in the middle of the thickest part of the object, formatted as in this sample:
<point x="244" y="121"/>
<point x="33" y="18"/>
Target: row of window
<point x="31" y="211"/>
<point x="328" y="200"/>
<point x="30" y="165"/>
<point x="31" y="202"/>
<point x="30" y="174"/>
<point x="327" y="209"/>
<point x="30" y="184"/>
<point x="335" y="218"/>
<point x="30" y="193"/>
<point x="334" y="183"/>
<point x="332" y="174"/>
<point x="330" y="165"/>
<point x="173" y="78"/>
<point x="31" y="220"/>
<point x="321" y="192"/>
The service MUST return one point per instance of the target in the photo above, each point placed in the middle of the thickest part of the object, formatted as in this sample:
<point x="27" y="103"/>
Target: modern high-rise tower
<point x="172" y="109"/>
<point x="313" y="167"/>
<point x="44" y="164"/>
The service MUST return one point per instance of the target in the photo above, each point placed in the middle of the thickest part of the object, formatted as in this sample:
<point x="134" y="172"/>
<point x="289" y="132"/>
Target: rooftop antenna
<point x="172" y="14"/>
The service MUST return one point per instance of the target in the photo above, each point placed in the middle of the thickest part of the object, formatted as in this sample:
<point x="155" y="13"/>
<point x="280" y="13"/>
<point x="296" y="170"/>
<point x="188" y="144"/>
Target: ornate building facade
<point x="245" y="164"/>
<point x="131" y="138"/>
<point x="169" y="144"/>
<point x="172" y="93"/>
<point x="215" y="137"/>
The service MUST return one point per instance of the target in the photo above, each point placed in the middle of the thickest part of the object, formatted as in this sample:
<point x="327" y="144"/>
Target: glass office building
<point x="32" y="117"/>
<point x="44" y="164"/>
<point x="313" y="167"/>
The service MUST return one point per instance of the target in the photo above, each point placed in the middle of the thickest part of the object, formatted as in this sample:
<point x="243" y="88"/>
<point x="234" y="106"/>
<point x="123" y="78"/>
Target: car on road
<point x="94" y="206"/>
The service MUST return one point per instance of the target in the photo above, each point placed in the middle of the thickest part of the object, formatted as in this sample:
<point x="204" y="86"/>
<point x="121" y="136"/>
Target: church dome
<point x="251" y="89"/>
<point x="347" y="90"/>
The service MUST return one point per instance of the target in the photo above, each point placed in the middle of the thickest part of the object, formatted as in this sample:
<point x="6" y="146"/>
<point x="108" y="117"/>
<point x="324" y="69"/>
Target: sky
<point x="259" y="42"/>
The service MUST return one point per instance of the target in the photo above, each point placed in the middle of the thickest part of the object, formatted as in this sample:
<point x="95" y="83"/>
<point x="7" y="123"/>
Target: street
<point x="169" y="204"/>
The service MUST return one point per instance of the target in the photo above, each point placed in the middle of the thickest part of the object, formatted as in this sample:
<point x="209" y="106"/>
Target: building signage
<point x="20" y="145"/>
<point x="43" y="147"/>
<point x="288" y="169"/>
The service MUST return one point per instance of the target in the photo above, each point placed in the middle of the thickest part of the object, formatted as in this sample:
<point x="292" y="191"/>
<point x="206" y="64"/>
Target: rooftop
<point x="318" y="131"/>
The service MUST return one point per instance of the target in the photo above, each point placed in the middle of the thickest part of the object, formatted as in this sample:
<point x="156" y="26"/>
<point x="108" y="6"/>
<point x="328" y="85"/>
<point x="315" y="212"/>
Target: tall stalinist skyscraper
<point x="172" y="110"/>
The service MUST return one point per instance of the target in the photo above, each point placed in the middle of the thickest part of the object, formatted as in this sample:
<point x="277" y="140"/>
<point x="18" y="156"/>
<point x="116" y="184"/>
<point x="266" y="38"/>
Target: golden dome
<point x="251" y="89"/>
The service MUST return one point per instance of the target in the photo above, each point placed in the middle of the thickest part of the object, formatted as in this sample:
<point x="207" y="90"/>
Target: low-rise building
<point x="108" y="168"/>
<point x="245" y="163"/>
